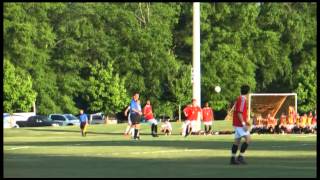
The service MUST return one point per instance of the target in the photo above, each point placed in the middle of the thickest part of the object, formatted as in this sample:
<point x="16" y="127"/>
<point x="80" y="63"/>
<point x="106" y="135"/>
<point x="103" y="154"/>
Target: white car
<point x="96" y="119"/>
<point x="64" y="119"/>
<point x="9" y="122"/>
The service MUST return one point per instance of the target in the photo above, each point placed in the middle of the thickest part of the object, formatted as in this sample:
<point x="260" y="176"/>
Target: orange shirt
<point x="207" y="114"/>
<point x="283" y="119"/>
<point x="147" y="111"/>
<point x="192" y="112"/>
<point x="240" y="107"/>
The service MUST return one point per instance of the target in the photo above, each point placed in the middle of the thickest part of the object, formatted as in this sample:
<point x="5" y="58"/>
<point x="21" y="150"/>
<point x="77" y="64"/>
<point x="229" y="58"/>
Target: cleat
<point x="233" y="161"/>
<point x="241" y="160"/>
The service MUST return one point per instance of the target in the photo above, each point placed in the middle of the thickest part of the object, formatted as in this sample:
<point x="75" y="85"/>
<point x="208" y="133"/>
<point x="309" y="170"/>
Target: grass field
<point x="105" y="152"/>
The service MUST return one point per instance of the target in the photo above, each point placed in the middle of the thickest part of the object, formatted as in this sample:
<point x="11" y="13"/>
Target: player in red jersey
<point x="148" y="115"/>
<point x="191" y="112"/>
<point x="241" y="126"/>
<point x="208" y="117"/>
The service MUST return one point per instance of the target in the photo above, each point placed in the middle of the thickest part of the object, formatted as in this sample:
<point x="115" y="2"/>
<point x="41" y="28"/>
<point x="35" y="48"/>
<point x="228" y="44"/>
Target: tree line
<point x="96" y="55"/>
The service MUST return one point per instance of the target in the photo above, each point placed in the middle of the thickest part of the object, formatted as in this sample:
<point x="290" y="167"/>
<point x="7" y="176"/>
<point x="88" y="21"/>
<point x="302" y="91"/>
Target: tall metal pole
<point x="196" y="84"/>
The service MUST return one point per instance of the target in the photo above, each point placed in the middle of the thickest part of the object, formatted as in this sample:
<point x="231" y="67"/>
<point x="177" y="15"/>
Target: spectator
<point x="207" y="114"/>
<point x="281" y="128"/>
<point x="166" y="128"/>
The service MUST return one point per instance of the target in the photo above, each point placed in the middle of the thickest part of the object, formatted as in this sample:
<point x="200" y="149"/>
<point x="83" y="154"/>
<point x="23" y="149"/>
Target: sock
<point x="156" y="128"/>
<point x="152" y="129"/>
<point x="209" y="128"/>
<point x="234" y="150"/>
<point x="244" y="146"/>
<point x="187" y="130"/>
<point x="135" y="133"/>
<point x="205" y="129"/>
<point x="131" y="131"/>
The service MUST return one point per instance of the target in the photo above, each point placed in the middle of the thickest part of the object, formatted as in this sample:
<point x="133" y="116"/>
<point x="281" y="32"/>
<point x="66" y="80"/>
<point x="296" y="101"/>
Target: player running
<point x="148" y="115"/>
<point x="241" y="126"/>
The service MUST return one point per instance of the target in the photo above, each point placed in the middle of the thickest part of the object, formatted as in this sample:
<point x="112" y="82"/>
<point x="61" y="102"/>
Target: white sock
<point x="131" y="131"/>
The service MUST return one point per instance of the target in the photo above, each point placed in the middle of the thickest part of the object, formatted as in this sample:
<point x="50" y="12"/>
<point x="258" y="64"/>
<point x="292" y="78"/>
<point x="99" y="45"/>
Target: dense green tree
<point x="78" y="53"/>
<point x="105" y="90"/>
<point x="18" y="94"/>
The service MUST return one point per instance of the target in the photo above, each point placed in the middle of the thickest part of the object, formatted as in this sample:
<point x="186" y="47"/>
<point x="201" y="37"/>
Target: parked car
<point x="96" y="119"/>
<point x="37" y="121"/>
<point x="64" y="119"/>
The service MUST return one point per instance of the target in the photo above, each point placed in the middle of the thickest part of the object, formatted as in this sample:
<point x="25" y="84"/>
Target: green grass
<point x="105" y="152"/>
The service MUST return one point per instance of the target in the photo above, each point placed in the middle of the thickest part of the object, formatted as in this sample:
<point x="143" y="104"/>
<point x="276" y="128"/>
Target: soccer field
<point x="105" y="152"/>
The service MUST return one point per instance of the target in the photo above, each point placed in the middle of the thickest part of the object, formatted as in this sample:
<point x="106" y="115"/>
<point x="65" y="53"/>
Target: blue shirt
<point x="134" y="105"/>
<point x="83" y="118"/>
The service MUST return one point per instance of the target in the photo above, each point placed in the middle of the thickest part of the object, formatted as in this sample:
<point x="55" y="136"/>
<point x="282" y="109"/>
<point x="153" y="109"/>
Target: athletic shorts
<point x="240" y="132"/>
<point x="135" y="118"/>
<point x="192" y="123"/>
<point x="208" y="123"/>
<point x="82" y="125"/>
<point x="152" y="121"/>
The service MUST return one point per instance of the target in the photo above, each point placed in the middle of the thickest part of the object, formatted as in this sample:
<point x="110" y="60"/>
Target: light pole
<point x="196" y="83"/>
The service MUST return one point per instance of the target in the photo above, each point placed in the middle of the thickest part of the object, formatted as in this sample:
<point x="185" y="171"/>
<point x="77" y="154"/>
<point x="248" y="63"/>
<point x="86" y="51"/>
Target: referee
<point x="135" y="115"/>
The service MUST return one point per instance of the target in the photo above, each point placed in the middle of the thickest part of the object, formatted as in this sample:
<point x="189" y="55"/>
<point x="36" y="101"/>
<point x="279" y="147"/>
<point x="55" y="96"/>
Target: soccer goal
<point x="268" y="103"/>
<point x="271" y="103"/>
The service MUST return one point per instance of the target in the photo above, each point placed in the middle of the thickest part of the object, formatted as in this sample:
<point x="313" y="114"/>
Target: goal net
<point x="268" y="103"/>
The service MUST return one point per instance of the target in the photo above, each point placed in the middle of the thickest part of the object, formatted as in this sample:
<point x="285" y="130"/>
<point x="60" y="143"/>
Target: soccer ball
<point x="217" y="89"/>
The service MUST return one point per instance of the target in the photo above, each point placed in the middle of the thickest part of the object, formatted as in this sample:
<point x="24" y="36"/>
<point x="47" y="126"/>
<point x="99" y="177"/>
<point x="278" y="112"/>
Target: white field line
<point x="163" y="151"/>
<point x="307" y="135"/>
<point x="289" y="167"/>
<point x="295" y="145"/>
<point x="14" y="148"/>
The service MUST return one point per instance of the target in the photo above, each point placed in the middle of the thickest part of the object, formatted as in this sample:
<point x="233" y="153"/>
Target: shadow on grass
<point x="265" y="145"/>
<point x="89" y="132"/>
<point x="30" y="165"/>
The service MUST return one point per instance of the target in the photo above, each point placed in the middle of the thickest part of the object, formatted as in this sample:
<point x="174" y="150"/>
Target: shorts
<point x="135" y="118"/>
<point x="240" y="132"/>
<point x="152" y="121"/>
<point x="192" y="123"/>
<point x="208" y="123"/>
<point x="82" y="125"/>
